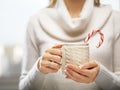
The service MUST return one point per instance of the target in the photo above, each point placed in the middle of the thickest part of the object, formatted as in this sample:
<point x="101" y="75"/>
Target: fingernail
<point x="81" y="66"/>
<point x="65" y="70"/>
<point x="66" y="76"/>
<point x="60" y="63"/>
<point x="66" y="66"/>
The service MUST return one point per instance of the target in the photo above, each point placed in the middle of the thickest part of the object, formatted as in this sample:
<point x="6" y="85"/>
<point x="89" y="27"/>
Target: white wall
<point x="115" y="3"/>
<point x="14" y="15"/>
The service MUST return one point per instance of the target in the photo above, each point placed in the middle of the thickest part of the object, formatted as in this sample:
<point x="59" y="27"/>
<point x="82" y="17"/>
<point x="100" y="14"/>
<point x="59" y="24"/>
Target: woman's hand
<point x="51" y="60"/>
<point x="83" y="74"/>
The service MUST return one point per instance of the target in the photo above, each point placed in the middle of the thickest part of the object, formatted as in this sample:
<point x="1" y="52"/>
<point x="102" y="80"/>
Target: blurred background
<point x="14" y="16"/>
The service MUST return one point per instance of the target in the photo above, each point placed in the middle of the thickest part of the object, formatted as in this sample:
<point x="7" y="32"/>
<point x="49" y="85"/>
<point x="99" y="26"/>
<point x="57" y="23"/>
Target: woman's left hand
<point x="82" y="74"/>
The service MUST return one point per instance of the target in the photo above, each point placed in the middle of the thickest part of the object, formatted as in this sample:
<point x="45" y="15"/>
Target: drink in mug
<point x="74" y="54"/>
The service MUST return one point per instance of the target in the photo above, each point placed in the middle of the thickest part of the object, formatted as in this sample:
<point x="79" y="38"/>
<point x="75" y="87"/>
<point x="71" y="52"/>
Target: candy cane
<point x="92" y="33"/>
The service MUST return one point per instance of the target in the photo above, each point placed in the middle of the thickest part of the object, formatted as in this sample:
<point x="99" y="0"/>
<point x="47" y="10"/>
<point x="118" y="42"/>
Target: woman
<point x="69" y="21"/>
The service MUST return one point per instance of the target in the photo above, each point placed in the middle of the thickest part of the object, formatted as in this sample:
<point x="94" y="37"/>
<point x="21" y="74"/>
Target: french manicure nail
<point x="81" y="66"/>
<point x="65" y="70"/>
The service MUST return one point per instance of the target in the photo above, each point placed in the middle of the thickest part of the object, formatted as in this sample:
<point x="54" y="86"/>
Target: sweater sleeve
<point x="106" y="79"/>
<point x="30" y="76"/>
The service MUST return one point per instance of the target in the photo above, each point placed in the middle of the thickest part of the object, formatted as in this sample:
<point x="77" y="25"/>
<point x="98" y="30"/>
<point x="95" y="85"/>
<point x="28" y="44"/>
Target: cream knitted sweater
<point x="53" y="26"/>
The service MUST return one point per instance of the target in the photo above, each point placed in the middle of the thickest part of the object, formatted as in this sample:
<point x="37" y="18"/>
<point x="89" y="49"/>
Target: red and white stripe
<point x="94" y="32"/>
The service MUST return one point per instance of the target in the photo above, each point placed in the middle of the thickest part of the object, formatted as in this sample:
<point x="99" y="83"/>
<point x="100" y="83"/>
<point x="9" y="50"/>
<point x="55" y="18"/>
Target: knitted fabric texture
<point x="74" y="54"/>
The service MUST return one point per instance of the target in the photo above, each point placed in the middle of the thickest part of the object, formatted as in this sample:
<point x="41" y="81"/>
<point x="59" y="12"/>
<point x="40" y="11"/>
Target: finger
<point x="51" y="65"/>
<point x="77" y="69"/>
<point x="69" y="76"/>
<point x="53" y="58"/>
<point x="57" y="46"/>
<point x="91" y="73"/>
<point x="77" y="77"/>
<point x="94" y="72"/>
<point x="54" y="51"/>
<point x="48" y="70"/>
<point x="89" y="65"/>
<point x="88" y="73"/>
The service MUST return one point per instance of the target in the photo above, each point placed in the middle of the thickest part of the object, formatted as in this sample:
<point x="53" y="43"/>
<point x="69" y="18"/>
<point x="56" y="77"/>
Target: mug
<point x="76" y="54"/>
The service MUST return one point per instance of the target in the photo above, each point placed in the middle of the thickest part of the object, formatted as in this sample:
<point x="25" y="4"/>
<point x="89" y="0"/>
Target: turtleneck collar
<point x="75" y="24"/>
<point x="64" y="28"/>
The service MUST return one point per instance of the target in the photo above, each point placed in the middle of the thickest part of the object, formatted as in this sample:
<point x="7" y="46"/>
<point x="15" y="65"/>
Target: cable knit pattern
<point x="75" y="54"/>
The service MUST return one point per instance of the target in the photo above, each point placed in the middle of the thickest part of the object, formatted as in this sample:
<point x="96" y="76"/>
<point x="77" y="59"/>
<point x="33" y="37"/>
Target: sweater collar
<point x="75" y="24"/>
<point x="68" y="31"/>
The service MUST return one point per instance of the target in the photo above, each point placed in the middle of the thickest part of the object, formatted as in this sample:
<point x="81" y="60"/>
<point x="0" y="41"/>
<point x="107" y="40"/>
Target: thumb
<point x="57" y="46"/>
<point x="89" y="65"/>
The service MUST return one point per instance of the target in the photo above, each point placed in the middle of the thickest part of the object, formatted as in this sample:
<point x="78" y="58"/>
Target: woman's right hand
<point x="51" y="60"/>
